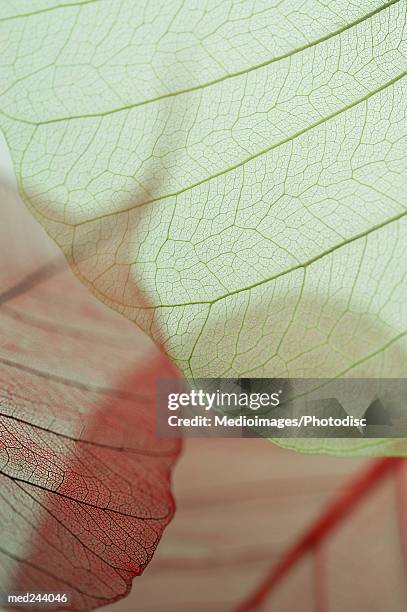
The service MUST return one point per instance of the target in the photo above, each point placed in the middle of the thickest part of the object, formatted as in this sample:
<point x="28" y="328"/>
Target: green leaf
<point x="241" y="165"/>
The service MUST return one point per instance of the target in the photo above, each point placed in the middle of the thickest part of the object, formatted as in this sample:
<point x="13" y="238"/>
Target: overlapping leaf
<point x="84" y="481"/>
<point x="244" y="164"/>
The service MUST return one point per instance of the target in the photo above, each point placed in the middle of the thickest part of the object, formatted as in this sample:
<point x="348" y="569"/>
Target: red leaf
<point x="84" y="481"/>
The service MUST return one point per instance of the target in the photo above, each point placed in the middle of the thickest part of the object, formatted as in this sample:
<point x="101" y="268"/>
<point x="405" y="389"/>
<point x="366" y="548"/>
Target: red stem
<point x="335" y="513"/>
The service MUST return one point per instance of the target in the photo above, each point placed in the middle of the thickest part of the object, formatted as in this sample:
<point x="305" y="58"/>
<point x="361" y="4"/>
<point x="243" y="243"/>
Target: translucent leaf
<point x="237" y="525"/>
<point x="84" y="481"/>
<point x="242" y="164"/>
